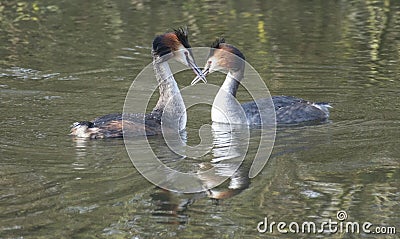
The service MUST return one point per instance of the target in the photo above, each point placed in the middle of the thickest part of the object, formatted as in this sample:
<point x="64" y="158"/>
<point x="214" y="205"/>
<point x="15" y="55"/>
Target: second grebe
<point x="171" y="45"/>
<point x="288" y="109"/>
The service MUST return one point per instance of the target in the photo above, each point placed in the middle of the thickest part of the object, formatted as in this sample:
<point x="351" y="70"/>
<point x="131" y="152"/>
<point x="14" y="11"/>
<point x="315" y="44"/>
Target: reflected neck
<point x="169" y="94"/>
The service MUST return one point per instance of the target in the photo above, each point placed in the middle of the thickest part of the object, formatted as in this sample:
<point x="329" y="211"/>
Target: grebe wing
<point x="299" y="112"/>
<point x="129" y="128"/>
<point x="283" y="101"/>
<point x="105" y="119"/>
<point x="116" y="125"/>
<point x="288" y="110"/>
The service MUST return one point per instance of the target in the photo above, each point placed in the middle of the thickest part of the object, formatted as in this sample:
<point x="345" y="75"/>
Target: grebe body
<point x="288" y="109"/>
<point x="171" y="45"/>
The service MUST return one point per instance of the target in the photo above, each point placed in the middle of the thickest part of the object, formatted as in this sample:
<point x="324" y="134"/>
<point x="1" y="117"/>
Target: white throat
<point x="226" y="109"/>
<point x="170" y="102"/>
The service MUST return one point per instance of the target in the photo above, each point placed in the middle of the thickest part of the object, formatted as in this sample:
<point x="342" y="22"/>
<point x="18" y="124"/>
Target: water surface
<point x="63" y="61"/>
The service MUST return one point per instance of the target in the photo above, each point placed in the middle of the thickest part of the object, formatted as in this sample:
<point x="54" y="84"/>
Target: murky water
<point x="63" y="61"/>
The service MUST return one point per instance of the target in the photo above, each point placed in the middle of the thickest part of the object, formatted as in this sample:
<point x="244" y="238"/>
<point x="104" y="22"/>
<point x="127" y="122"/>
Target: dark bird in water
<point x="288" y="109"/>
<point x="171" y="45"/>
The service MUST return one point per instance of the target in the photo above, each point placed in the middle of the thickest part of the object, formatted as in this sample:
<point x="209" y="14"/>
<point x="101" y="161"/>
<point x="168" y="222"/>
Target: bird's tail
<point x="324" y="106"/>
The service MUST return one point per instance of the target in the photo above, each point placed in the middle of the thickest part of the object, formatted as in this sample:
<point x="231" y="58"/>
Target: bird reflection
<point x="169" y="208"/>
<point x="230" y="147"/>
<point x="228" y="152"/>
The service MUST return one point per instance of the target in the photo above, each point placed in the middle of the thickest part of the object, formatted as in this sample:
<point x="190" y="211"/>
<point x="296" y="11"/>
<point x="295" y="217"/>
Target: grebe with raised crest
<point x="171" y="45"/>
<point x="288" y="109"/>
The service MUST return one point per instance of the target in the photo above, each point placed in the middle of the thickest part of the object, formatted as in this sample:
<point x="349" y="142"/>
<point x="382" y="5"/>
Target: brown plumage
<point x="118" y="125"/>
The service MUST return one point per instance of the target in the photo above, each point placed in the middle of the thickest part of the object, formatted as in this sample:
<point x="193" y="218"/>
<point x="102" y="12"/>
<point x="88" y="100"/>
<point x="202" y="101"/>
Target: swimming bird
<point x="288" y="109"/>
<point x="171" y="45"/>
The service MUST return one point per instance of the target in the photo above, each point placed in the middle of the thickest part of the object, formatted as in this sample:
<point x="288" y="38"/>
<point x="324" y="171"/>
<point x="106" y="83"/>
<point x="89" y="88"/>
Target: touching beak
<point x="204" y="73"/>
<point x="197" y="71"/>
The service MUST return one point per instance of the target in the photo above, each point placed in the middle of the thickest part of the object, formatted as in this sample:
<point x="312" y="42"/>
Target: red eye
<point x="209" y="62"/>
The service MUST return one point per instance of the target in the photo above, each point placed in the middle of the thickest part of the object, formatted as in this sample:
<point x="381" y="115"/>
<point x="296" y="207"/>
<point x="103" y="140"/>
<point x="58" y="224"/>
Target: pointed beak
<point x="197" y="71"/>
<point x="197" y="79"/>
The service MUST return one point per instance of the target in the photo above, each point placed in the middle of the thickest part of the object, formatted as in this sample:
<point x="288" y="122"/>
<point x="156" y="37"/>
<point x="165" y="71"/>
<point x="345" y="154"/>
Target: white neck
<point x="170" y="103"/>
<point x="226" y="108"/>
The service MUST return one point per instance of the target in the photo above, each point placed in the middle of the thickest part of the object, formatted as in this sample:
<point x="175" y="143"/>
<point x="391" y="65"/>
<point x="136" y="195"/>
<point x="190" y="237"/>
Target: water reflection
<point x="344" y="52"/>
<point x="229" y="144"/>
<point x="224" y="167"/>
<point x="179" y="171"/>
<point x="80" y="147"/>
<point x="227" y="154"/>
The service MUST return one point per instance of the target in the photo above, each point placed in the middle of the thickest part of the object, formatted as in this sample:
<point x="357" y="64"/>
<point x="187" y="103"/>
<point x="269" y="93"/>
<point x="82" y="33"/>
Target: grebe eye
<point x="186" y="53"/>
<point x="209" y="62"/>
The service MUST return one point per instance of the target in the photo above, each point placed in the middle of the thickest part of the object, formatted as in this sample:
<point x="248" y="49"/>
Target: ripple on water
<point x="26" y="74"/>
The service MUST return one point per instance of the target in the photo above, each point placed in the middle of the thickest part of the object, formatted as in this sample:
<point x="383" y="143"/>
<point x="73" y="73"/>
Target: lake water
<point x="66" y="61"/>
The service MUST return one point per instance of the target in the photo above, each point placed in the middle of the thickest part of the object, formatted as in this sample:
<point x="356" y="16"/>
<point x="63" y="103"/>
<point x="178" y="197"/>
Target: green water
<point x="64" y="61"/>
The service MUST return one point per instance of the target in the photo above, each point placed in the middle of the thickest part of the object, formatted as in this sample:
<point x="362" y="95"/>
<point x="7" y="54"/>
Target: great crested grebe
<point x="288" y="109"/>
<point x="171" y="45"/>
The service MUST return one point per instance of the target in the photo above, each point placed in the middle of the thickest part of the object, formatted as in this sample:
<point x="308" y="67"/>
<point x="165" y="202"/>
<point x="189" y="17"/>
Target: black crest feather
<point x="227" y="47"/>
<point x="217" y="42"/>
<point x="159" y="47"/>
<point x="182" y="34"/>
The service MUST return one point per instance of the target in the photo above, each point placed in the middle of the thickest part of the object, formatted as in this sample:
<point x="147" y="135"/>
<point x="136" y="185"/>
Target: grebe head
<point x="175" y="45"/>
<point x="223" y="56"/>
